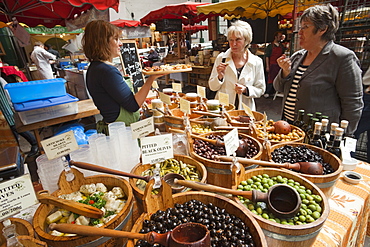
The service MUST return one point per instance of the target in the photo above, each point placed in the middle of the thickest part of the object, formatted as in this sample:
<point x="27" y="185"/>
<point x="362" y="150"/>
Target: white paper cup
<point x="349" y="164"/>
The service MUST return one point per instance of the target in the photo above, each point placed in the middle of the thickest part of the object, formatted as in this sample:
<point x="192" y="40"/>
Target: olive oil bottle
<point x="335" y="149"/>
<point x="299" y="122"/>
<point x="315" y="140"/>
<point x="324" y="129"/>
<point x="333" y="126"/>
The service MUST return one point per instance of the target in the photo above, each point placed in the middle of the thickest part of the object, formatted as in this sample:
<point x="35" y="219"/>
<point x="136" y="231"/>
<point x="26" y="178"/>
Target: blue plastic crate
<point x="81" y="66"/>
<point x="35" y="90"/>
<point x="64" y="64"/>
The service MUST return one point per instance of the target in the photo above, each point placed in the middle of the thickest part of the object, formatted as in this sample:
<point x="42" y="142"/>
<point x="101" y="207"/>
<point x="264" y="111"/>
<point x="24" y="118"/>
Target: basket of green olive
<point x="300" y="230"/>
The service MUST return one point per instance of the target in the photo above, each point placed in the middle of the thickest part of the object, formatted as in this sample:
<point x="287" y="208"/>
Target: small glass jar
<point x="213" y="105"/>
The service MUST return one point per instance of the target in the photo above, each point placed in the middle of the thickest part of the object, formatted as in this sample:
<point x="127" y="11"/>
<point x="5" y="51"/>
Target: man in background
<point x="50" y="49"/>
<point x="42" y="60"/>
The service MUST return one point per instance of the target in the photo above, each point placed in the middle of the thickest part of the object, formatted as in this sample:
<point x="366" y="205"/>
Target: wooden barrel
<point x="140" y="168"/>
<point x="177" y="120"/>
<point x="279" y="235"/>
<point x="327" y="182"/>
<point x="122" y="221"/>
<point x="220" y="201"/>
<point x="219" y="172"/>
<point x="273" y="142"/>
<point x="22" y="227"/>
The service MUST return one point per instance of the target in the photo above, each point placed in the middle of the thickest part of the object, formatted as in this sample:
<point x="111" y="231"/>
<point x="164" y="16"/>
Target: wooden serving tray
<point x="165" y="72"/>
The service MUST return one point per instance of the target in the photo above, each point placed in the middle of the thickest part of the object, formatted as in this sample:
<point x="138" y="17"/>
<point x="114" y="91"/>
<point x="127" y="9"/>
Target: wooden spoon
<point x="312" y="168"/>
<point x="75" y="207"/>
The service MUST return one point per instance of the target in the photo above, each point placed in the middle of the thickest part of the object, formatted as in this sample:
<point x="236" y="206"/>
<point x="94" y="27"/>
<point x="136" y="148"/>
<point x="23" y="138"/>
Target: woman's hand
<point x="221" y="70"/>
<point x="284" y="63"/>
<point x="239" y="88"/>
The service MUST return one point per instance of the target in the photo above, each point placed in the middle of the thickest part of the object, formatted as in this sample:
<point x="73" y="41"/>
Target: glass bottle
<point x="324" y="129"/>
<point x="318" y="115"/>
<point x="299" y="120"/>
<point x="10" y="234"/>
<point x="335" y="149"/>
<point x="315" y="140"/>
<point x="309" y="131"/>
<point x="307" y="121"/>
<point x="333" y="126"/>
<point x="344" y="125"/>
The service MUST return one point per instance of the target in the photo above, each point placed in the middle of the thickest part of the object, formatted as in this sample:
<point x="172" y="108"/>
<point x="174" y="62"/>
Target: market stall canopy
<point x="195" y="28"/>
<point x="49" y="12"/>
<point x="126" y="23"/>
<point x="132" y="29"/>
<point x="186" y="12"/>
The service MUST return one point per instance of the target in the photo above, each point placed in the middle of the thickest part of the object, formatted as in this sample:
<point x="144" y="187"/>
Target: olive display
<point x="225" y="229"/>
<point x="295" y="134"/>
<point x="209" y="151"/>
<point x="310" y="208"/>
<point x="290" y="154"/>
<point x="200" y="128"/>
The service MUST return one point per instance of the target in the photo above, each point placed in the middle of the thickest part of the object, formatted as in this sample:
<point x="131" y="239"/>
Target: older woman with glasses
<point x="322" y="77"/>
<point x="237" y="72"/>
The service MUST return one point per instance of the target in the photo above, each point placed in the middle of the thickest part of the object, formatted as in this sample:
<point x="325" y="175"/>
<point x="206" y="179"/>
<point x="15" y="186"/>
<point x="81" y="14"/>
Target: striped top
<point x="289" y="106"/>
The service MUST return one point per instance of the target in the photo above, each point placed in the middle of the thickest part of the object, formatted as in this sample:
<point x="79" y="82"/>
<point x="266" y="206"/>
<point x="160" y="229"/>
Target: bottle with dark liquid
<point x="318" y="115"/>
<point x="315" y="140"/>
<point x="324" y="129"/>
<point x="344" y="125"/>
<point x="309" y="131"/>
<point x="307" y="121"/>
<point x="333" y="126"/>
<point x="299" y="122"/>
<point x="335" y="149"/>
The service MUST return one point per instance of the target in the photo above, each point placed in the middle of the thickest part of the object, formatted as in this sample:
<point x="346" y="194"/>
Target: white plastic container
<point x="349" y="164"/>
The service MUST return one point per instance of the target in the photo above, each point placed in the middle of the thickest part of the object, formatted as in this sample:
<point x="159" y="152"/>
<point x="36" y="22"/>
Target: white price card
<point x="165" y="98"/>
<point x="248" y="110"/>
<point x="142" y="128"/>
<point x="185" y="106"/>
<point x="347" y="146"/>
<point x="155" y="149"/>
<point x="16" y="195"/>
<point x="223" y="98"/>
<point x="231" y="140"/>
<point x="201" y="91"/>
<point x="60" y="145"/>
<point x="177" y="87"/>
<point x="155" y="85"/>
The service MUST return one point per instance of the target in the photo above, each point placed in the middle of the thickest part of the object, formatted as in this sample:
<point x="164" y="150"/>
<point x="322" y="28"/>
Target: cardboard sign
<point x="223" y="98"/>
<point x="185" y="106"/>
<point x="231" y="140"/>
<point x="155" y="85"/>
<point x="16" y="195"/>
<point x="142" y="128"/>
<point x="165" y="98"/>
<point x="177" y="87"/>
<point x="201" y="91"/>
<point x="155" y="149"/>
<point x="248" y="110"/>
<point x="60" y="145"/>
<point x="348" y="146"/>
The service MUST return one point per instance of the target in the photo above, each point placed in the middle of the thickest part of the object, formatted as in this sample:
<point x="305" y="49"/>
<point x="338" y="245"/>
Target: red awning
<point x="126" y="23"/>
<point x="186" y="11"/>
<point x="49" y="12"/>
<point x="195" y="28"/>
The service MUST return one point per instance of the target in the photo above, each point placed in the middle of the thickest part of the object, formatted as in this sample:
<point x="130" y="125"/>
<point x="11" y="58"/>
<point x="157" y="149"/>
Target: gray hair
<point x="241" y="29"/>
<point x="323" y="17"/>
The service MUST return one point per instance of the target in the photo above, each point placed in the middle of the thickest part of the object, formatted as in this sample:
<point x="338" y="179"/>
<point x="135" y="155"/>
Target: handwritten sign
<point x="223" y="98"/>
<point x="248" y="110"/>
<point x="201" y="91"/>
<point x="185" y="106"/>
<point x="155" y="84"/>
<point x="165" y="98"/>
<point x="155" y="149"/>
<point x="231" y="140"/>
<point x="177" y="87"/>
<point x="142" y="128"/>
<point x="60" y="145"/>
<point x="131" y="62"/>
<point x="15" y="195"/>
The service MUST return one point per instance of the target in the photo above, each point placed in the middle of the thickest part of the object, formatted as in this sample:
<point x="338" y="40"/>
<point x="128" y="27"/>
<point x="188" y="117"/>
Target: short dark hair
<point x="323" y="17"/>
<point x="47" y="45"/>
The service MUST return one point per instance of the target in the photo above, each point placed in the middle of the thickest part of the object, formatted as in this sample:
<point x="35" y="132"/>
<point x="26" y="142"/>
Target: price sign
<point x="231" y="140"/>
<point x="177" y="87"/>
<point x="223" y="98"/>
<point x="142" y="128"/>
<point x="155" y="149"/>
<point x="248" y="110"/>
<point x="201" y="91"/>
<point x="185" y="106"/>
<point x="348" y="146"/>
<point x="15" y="195"/>
<point x="165" y="98"/>
<point x="60" y="145"/>
<point x="155" y="85"/>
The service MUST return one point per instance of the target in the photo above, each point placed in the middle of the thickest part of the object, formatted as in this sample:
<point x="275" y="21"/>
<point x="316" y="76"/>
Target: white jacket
<point x="252" y="76"/>
<point x="41" y="58"/>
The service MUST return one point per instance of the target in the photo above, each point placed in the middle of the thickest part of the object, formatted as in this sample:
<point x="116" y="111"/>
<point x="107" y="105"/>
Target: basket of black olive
<point x="228" y="222"/>
<point x="300" y="230"/>
<point x="300" y="152"/>
<point x="218" y="172"/>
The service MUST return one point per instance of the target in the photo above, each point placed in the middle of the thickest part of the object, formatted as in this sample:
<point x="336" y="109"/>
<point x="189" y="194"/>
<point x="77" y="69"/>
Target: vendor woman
<point x="110" y="92"/>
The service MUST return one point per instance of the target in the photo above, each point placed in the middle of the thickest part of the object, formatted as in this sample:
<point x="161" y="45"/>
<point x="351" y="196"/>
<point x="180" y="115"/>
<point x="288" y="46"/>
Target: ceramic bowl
<point x="352" y="177"/>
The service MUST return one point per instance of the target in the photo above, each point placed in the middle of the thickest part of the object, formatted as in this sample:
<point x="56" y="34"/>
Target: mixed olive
<point x="290" y="154"/>
<point x="225" y="229"/>
<point x="200" y="128"/>
<point x="310" y="210"/>
<point x="293" y="135"/>
<point x="207" y="150"/>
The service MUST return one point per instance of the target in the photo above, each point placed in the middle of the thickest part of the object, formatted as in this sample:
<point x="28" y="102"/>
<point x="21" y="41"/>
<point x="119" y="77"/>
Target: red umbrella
<point x="195" y="28"/>
<point x="49" y="12"/>
<point x="126" y="23"/>
<point x="186" y="11"/>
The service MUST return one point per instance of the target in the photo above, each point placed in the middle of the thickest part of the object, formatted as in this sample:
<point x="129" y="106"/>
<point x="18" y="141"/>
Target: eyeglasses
<point x="304" y="27"/>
